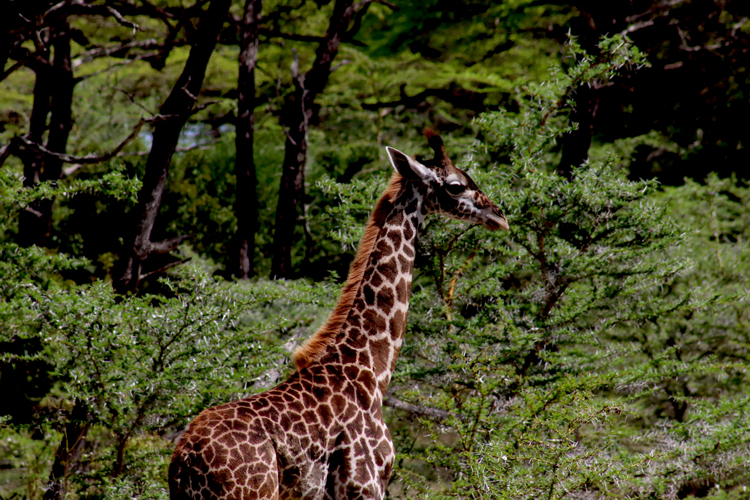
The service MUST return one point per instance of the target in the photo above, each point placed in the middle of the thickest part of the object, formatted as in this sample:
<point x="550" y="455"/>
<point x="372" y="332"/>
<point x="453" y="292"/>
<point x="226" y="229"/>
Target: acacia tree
<point x="50" y="39"/>
<point x="555" y="360"/>
<point x="296" y="114"/>
<point x="694" y="50"/>
<point x="174" y="114"/>
<point x="246" y="197"/>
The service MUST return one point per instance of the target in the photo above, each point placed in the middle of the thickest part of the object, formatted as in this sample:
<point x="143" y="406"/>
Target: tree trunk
<point x="176" y="110"/>
<point x="576" y="144"/>
<point x="69" y="451"/>
<point x="246" y="203"/>
<point x="291" y="193"/>
<point x="61" y="120"/>
<point x="29" y="219"/>
<point x="5" y="38"/>
<point x="295" y="116"/>
<point x="53" y="96"/>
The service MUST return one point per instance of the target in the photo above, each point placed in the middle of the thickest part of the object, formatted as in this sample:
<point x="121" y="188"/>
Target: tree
<point x="696" y="52"/>
<point x="246" y="201"/>
<point x="174" y="113"/>
<point x="48" y="25"/>
<point x="538" y="355"/>
<point x="53" y="95"/>
<point x="296" y="115"/>
<point x="599" y="348"/>
<point x="124" y="368"/>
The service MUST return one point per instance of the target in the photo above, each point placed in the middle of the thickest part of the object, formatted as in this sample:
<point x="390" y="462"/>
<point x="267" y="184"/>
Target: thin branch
<point x="392" y="6"/>
<point x="5" y="152"/>
<point x="89" y="55"/>
<point x="5" y="74"/>
<point x="360" y="5"/>
<point x="301" y="38"/>
<point x="23" y="142"/>
<point x="163" y="268"/>
<point x="14" y="145"/>
<point x="183" y="149"/>
<point x="393" y="402"/>
<point x="345" y="61"/>
<point x="131" y="97"/>
<point x="122" y="20"/>
<point x="27" y="58"/>
<point x="637" y="26"/>
<point x="113" y="66"/>
<point x="660" y="6"/>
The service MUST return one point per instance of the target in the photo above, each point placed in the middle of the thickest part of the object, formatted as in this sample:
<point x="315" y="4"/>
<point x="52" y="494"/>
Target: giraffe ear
<point x="408" y="166"/>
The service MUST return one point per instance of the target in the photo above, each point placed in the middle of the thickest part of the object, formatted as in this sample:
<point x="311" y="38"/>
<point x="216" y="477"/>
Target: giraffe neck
<point x="378" y="317"/>
<point x="371" y="335"/>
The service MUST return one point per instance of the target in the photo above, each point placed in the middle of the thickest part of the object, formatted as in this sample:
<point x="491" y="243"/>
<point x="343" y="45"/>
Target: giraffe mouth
<point x="496" y="221"/>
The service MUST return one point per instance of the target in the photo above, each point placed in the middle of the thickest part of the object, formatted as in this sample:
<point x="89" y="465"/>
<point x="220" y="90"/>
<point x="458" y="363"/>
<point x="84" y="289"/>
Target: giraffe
<point x="321" y="434"/>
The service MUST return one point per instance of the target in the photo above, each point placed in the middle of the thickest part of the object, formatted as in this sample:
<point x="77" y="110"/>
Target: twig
<point x="122" y="20"/>
<point x="113" y="66"/>
<point x="393" y="6"/>
<point x="163" y="268"/>
<point x="345" y="61"/>
<point x="177" y="150"/>
<point x="106" y="51"/>
<point x="131" y="97"/>
<point x="393" y="402"/>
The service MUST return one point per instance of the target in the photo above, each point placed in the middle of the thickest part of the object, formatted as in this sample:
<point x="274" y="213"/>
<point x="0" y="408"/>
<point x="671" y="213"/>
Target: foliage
<point x="563" y="356"/>
<point x="597" y="350"/>
<point x="141" y="365"/>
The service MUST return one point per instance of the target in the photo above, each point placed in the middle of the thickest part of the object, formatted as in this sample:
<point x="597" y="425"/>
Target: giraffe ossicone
<point x="320" y="434"/>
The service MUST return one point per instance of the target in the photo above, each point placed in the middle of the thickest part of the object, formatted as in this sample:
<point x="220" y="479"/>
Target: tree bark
<point x="61" y="121"/>
<point x="177" y="109"/>
<point x="69" y="451"/>
<point x="576" y="144"/>
<point x="295" y="116"/>
<point x="53" y="97"/>
<point x="246" y="203"/>
<point x="29" y="219"/>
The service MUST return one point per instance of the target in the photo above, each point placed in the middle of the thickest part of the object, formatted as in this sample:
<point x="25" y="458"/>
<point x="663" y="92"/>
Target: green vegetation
<point x="598" y="349"/>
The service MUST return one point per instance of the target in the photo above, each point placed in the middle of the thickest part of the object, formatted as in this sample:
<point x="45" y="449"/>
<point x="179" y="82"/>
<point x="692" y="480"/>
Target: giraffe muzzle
<point x="496" y="220"/>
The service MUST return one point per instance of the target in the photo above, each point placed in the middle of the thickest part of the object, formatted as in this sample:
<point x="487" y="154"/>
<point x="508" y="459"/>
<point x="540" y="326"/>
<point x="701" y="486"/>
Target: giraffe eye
<point x="455" y="188"/>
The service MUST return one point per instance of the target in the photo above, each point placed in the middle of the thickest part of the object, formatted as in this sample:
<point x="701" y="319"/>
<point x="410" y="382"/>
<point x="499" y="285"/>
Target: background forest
<point x="183" y="185"/>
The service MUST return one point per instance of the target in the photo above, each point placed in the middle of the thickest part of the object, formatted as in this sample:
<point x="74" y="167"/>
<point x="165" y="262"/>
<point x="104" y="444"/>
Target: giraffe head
<point x="449" y="190"/>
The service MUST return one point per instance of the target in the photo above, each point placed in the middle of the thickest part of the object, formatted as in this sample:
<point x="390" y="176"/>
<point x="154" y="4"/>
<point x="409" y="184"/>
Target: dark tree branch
<point x="392" y="6"/>
<point x="300" y="38"/>
<point x="168" y="245"/>
<point x="295" y="116"/>
<point x="17" y="145"/>
<point x="143" y="57"/>
<point x="179" y="106"/>
<point x="69" y="451"/>
<point x="459" y="97"/>
<point x="120" y="50"/>
<point x="122" y="20"/>
<point x="163" y="268"/>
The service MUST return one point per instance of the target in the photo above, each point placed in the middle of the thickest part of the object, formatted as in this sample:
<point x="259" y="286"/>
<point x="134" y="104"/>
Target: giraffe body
<point x="321" y="434"/>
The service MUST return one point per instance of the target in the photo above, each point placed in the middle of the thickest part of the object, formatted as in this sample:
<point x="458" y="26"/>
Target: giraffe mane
<point x="314" y="347"/>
